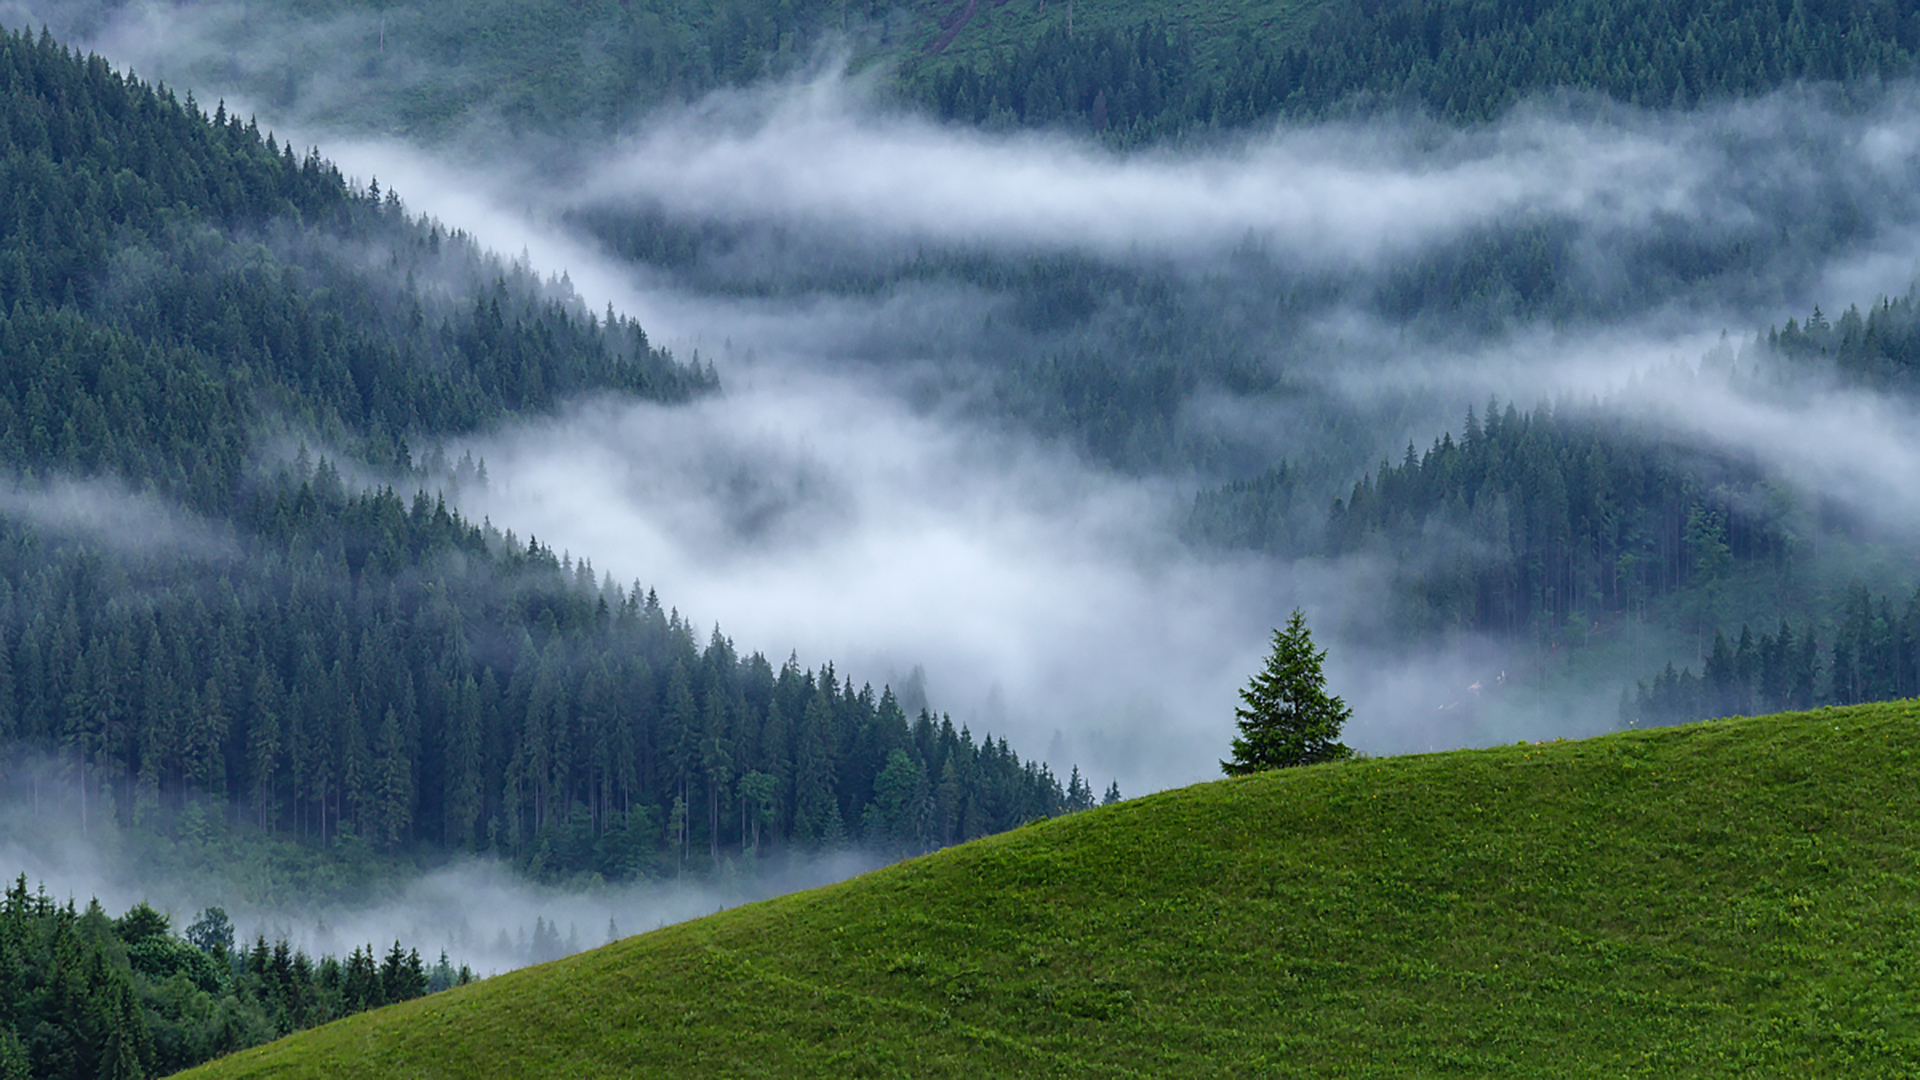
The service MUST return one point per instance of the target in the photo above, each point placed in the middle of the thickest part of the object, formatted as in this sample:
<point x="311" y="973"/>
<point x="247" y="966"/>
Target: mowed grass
<point x="1734" y="898"/>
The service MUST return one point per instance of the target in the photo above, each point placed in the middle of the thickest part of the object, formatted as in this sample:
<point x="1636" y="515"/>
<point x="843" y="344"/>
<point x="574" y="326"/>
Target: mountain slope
<point x="1721" y="899"/>
<point x="191" y="606"/>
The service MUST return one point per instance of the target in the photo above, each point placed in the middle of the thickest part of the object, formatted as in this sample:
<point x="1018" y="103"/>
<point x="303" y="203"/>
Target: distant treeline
<point x="1456" y="59"/>
<point x="1875" y="657"/>
<point x="1878" y="348"/>
<point x="1551" y="521"/>
<point x="582" y="67"/>
<point x="89" y="997"/>
<point x="375" y="668"/>
<point x="1545" y="519"/>
<point x="1134" y="76"/>
<point x="1553" y="525"/>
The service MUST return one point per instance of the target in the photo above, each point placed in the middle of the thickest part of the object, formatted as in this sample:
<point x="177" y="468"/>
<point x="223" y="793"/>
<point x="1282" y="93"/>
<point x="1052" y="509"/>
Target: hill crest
<point x="1717" y="899"/>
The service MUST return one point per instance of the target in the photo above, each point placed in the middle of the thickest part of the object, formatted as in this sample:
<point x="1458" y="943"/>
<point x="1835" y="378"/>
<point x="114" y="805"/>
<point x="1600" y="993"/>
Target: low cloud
<point x="802" y="510"/>
<point x="479" y="911"/>
<point x="837" y="499"/>
<point x="107" y="513"/>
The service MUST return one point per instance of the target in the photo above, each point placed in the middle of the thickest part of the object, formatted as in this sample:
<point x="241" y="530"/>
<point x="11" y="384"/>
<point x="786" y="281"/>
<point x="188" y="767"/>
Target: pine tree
<point x="1287" y="717"/>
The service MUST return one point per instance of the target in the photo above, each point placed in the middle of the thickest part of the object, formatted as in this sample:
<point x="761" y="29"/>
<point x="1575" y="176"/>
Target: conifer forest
<point x="674" y="453"/>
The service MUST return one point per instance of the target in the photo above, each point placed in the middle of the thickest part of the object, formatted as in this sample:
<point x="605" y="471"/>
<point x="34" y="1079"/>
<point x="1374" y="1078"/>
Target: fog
<point x="1857" y="449"/>
<point x="814" y="512"/>
<point x="106" y="513"/>
<point x="479" y="912"/>
<point x="853" y="496"/>
<point x="827" y="501"/>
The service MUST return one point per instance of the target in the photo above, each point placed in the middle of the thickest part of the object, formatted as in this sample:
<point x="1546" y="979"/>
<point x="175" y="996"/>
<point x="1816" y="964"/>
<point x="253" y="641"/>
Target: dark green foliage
<point x="141" y="923"/>
<point x="1131" y="85"/>
<point x="1537" y="519"/>
<point x="85" y="996"/>
<point x="380" y="672"/>
<point x="211" y="932"/>
<point x="1129" y="75"/>
<point x="543" y="66"/>
<point x="1879" y="349"/>
<point x="1875" y="656"/>
<point x="1267" y="513"/>
<point x="1529" y="521"/>
<point x="172" y="283"/>
<point x="1286" y="716"/>
<point x="1571" y="524"/>
<point x="354" y="669"/>
<point x="1456" y="59"/>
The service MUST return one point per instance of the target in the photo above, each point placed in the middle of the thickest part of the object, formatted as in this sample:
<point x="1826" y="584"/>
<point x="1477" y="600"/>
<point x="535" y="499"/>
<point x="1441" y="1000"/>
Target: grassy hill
<point x="1733" y="898"/>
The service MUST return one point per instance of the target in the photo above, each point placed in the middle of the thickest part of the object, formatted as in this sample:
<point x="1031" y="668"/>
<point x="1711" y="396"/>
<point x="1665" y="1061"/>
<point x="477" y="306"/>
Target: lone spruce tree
<point x="1287" y="717"/>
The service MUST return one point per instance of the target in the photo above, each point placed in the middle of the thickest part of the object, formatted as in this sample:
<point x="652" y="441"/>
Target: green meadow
<point x="1731" y="898"/>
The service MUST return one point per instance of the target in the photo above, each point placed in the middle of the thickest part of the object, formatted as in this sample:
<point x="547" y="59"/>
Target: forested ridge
<point x="1575" y="521"/>
<point x="1528" y="518"/>
<point x="210" y="340"/>
<point x="183" y="300"/>
<point x="1133" y="75"/>
<point x="1143" y="79"/>
<point x="426" y="70"/>
<point x="1878" y="348"/>
<point x="172" y="282"/>
<point x="381" y="670"/>
<point x="1874" y="655"/>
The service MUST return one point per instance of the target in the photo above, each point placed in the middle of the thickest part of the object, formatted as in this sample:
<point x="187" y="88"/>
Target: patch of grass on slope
<point x="1729" y="898"/>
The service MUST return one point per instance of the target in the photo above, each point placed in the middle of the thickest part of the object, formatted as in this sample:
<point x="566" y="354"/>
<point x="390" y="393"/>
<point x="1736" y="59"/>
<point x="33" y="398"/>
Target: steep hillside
<point x="191" y="605"/>
<point x="1730" y="898"/>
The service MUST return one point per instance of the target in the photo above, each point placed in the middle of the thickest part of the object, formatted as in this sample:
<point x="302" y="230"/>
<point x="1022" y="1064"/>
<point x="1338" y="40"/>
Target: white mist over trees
<point x="1561" y="247"/>
<point x="1061" y="423"/>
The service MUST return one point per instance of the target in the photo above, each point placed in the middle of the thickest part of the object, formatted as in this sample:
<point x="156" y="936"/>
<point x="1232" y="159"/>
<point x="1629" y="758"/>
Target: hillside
<point x="1727" y="898"/>
<point x="192" y="605"/>
<point x="1138" y="73"/>
<point x="1143" y="75"/>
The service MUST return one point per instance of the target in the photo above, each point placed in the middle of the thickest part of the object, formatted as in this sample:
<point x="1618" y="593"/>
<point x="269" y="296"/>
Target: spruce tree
<point x="1287" y="717"/>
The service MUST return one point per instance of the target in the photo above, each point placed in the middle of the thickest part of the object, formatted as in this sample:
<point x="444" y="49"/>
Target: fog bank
<point x="854" y="495"/>
<point x="480" y="912"/>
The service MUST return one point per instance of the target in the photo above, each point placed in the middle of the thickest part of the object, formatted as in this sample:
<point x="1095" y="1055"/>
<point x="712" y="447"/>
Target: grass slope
<point x="1732" y="898"/>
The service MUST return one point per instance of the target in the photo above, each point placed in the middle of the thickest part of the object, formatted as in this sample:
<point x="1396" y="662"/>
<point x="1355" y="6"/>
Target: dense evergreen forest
<point x="1111" y="356"/>
<point x="184" y="302"/>
<point x="1878" y="348"/>
<point x="1571" y="522"/>
<point x="1529" y="523"/>
<point x="380" y="671"/>
<point x="1134" y="76"/>
<point x="1875" y="656"/>
<point x="87" y="996"/>
<point x="547" y="66"/>
<point x="232" y="574"/>
<point x="1457" y="60"/>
